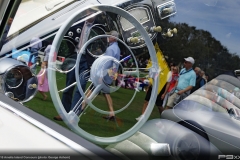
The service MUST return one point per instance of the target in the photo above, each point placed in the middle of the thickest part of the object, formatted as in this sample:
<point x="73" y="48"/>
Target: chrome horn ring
<point x="94" y="78"/>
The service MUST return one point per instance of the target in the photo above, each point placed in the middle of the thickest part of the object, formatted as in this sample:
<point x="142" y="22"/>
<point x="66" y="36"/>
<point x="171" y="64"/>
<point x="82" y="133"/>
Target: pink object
<point x="42" y="76"/>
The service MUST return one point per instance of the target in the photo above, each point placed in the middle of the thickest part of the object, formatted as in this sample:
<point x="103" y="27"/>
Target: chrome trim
<point x="154" y="34"/>
<point x="80" y="3"/>
<point x="67" y="39"/>
<point x="3" y="6"/>
<point x="5" y="76"/>
<point x="4" y="81"/>
<point x="97" y="26"/>
<point x="164" y="4"/>
<point x="9" y="55"/>
<point x="144" y="8"/>
<point x="138" y="31"/>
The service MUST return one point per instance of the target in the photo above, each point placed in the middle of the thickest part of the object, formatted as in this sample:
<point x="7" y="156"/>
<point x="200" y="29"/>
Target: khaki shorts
<point x="171" y="100"/>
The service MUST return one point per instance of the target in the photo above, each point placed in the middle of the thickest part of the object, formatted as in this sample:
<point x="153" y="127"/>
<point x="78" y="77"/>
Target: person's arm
<point x="176" y="84"/>
<point x="42" y="77"/>
<point x="185" y="90"/>
<point x="166" y="89"/>
<point x="42" y="74"/>
<point x="169" y="79"/>
<point x="109" y="52"/>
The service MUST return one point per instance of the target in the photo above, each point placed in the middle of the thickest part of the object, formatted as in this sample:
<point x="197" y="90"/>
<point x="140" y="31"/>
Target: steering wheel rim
<point x="71" y="119"/>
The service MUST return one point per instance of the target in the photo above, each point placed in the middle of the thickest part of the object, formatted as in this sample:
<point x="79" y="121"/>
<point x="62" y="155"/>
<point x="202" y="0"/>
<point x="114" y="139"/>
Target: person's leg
<point x="167" y="107"/>
<point x="159" y="100"/>
<point x="126" y="83"/>
<point x="83" y="76"/>
<point x="159" y="103"/>
<point x="67" y="94"/>
<point x="160" y="109"/>
<point x="165" y="100"/>
<point x="142" y="86"/>
<point x="110" y="104"/>
<point x="89" y="92"/>
<point x="170" y="101"/>
<point x="43" y="94"/>
<point x="145" y="104"/>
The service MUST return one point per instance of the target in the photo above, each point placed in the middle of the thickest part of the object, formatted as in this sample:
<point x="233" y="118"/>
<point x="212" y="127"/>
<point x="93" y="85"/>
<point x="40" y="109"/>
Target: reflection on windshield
<point x="32" y="10"/>
<point x="219" y="95"/>
<point x="211" y="37"/>
<point x="196" y="37"/>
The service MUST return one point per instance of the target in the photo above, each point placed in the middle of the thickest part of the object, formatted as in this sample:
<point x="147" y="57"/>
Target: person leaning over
<point x="186" y="81"/>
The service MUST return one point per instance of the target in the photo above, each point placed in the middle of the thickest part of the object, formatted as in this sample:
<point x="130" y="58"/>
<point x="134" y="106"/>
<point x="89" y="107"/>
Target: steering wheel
<point x="71" y="119"/>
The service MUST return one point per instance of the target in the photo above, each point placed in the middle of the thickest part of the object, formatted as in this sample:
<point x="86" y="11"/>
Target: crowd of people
<point x="178" y="86"/>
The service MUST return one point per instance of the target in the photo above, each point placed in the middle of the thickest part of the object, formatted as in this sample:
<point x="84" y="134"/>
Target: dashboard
<point x="144" y="16"/>
<point x="143" y="12"/>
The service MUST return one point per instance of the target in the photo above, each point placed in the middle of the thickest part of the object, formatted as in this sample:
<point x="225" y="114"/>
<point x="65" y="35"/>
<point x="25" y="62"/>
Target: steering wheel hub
<point x="104" y="72"/>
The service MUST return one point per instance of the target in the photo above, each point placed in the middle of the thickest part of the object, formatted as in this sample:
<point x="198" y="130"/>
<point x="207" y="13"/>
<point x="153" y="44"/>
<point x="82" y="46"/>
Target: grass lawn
<point x="92" y="121"/>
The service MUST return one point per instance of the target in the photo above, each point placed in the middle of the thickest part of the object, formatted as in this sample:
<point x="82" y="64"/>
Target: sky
<point x="219" y="17"/>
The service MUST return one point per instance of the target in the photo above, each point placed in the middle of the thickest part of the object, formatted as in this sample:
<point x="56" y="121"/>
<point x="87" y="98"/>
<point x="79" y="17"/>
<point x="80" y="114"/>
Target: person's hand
<point x="180" y="92"/>
<point x="163" y="95"/>
<point x="40" y="83"/>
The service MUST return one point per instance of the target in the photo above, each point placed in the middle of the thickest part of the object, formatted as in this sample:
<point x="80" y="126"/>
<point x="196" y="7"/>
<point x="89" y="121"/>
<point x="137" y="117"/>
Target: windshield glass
<point x="102" y="73"/>
<point x="32" y="11"/>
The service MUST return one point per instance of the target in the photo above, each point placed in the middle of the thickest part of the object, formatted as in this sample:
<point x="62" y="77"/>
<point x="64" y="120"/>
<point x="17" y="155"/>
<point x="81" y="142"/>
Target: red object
<point x="173" y="81"/>
<point x="30" y="64"/>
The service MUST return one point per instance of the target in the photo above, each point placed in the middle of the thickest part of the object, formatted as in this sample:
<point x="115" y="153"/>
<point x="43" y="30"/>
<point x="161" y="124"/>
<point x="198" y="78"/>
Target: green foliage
<point x="209" y="54"/>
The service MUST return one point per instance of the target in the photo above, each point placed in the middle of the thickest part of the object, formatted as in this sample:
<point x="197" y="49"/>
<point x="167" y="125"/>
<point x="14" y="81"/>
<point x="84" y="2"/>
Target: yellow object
<point x="164" y="69"/>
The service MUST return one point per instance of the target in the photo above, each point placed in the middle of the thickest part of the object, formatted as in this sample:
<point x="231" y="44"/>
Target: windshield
<point x="32" y="11"/>
<point x="102" y="73"/>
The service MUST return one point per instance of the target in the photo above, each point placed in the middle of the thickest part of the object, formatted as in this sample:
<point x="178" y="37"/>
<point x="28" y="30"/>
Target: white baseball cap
<point x="189" y="59"/>
<point x="114" y="33"/>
